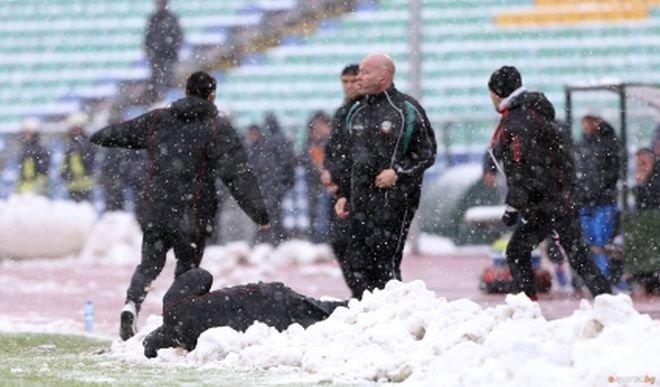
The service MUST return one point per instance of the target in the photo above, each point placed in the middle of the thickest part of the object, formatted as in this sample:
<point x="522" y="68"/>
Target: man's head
<point x="376" y="74"/>
<point x="502" y="83"/>
<point x="590" y="124"/>
<point x="644" y="164"/>
<point x="320" y="126"/>
<point x="201" y="85"/>
<point x="349" y="81"/>
<point x="161" y="5"/>
<point x="254" y="133"/>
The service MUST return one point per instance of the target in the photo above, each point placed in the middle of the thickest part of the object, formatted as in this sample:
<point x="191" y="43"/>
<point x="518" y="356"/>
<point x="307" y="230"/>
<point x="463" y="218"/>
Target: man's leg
<point x="340" y="241"/>
<point x="188" y="250"/>
<point x="154" y="248"/>
<point x="578" y="253"/>
<point x="593" y="231"/>
<point x="518" y="256"/>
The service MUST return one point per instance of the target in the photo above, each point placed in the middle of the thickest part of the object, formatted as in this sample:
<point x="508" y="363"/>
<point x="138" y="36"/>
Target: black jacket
<point x="336" y="148"/>
<point x="386" y="130"/>
<point x="647" y="193"/>
<point x="34" y="153"/>
<point x="189" y="309"/>
<point x="598" y="166"/>
<point x="164" y="36"/>
<point x="539" y="169"/>
<point x="188" y="148"/>
<point x="79" y="153"/>
<point x="274" y="163"/>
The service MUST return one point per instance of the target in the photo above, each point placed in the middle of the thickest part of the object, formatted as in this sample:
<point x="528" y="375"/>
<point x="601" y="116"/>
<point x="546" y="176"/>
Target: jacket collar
<point x="384" y="94"/>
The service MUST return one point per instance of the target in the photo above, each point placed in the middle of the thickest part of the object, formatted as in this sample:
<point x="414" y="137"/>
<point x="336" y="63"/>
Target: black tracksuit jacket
<point x="188" y="148"/>
<point x="386" y="130"/>
<point x="538" y="166"/>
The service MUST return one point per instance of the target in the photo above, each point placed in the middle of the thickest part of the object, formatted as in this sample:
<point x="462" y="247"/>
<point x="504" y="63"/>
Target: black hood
<point x="535" y="101"/>
<point x="190" y="108"/>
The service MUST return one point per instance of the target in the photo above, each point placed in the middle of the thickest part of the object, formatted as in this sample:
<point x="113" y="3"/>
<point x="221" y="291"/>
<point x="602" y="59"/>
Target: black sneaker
<point x="128" y="325"/>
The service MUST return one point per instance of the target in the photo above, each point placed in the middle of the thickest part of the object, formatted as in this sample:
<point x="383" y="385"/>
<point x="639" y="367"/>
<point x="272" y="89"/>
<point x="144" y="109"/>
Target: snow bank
<point x="34" y="226"/>
<point x="407" y="334"/>
<point x="430" y="244"/>
<point x="220" y="258"/>
<point x="116" y="237"/>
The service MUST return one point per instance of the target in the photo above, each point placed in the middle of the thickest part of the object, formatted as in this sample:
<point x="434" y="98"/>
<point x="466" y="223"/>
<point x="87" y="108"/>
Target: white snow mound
<point x="115" y="237"/>
<point x="36" y="227"/>
<point x="405" y="333"/>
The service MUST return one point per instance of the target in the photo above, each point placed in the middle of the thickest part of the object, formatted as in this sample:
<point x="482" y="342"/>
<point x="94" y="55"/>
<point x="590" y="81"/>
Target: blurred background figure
<point x="34" y="161"/>
<point x="78" y="164"/>
<point x="647" y="176"/>
<point x="162" y="44"/>
<point x="318" y="198"/>
<point x="271" y="156"/>
<point x="598" y="166"/>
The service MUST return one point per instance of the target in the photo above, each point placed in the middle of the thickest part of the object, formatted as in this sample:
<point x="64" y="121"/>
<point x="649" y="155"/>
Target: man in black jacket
<point x="188" y="148"/>
<point x="647" y="175"/>
<point x="540" y="177"/>
<point x="189" y="309"/>
<point x="162" y="44"/>
<point x="335" y="160"/>
<point x="598" y="158"/>
<point x="390" y="143"/>
<point x="77" y="170"/>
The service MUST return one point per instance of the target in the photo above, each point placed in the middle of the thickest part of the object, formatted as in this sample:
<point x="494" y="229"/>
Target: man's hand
<point x="386" y="179"/>
<point x="510" y="217"/>
<point x="341" y="208"/>
<point x="264" y="227"/>
<point x="326" y="179"/>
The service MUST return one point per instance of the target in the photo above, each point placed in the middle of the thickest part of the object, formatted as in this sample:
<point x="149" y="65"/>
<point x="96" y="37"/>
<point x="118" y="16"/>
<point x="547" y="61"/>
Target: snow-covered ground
<point x="406" y="333"/>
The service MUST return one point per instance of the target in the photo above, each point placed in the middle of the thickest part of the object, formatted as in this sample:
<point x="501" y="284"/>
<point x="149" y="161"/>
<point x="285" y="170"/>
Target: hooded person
<point x="598" y="167"/>
<point x="188" y="148"/>
<point x="190" y="308"/>
<point x="540" y="178"/>
<point x="34" y="161"/>
<point x="77" y="169"/>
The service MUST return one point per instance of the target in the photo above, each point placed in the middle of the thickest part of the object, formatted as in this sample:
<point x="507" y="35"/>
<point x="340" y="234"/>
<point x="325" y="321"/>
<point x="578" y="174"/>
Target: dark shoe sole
<point x="126" y="326"/>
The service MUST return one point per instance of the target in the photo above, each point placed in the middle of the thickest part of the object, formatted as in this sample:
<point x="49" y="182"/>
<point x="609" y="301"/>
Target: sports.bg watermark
<point x="645" y="379"/>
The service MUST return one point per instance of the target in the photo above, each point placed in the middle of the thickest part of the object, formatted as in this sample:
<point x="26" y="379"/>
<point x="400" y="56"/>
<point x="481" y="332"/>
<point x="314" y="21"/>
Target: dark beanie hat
<point x="505" y="81"/>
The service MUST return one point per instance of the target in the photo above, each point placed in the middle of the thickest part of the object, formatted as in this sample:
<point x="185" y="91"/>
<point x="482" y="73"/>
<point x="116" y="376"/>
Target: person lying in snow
<point x="189" y="309"/>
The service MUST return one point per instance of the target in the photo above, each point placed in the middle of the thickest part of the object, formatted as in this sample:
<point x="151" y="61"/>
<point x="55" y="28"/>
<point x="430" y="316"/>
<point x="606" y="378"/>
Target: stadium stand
<point x="53" y="55"/>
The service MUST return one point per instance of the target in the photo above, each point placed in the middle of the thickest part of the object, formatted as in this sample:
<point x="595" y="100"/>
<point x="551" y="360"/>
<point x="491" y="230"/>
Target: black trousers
<point x="156" y="242"/>
<point x="568" y="235"/>
<point x="377" y="238"/>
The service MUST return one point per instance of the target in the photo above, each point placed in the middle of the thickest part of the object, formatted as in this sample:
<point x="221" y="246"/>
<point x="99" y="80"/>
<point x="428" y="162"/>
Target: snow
<point x="33" y="226"/>
<point x="405" y="333"/>
<point x="484" y="214"/>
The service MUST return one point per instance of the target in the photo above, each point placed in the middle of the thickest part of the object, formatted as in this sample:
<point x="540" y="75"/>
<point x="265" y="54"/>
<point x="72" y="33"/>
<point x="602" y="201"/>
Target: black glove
<point x="510" y="217"/>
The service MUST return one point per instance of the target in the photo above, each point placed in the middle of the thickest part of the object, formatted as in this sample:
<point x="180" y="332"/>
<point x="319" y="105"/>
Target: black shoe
<point x="128" y="321"/>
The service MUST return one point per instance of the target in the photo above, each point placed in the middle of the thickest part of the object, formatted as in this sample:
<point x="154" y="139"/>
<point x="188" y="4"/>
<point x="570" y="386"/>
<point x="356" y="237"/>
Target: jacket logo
<point x="357" y="127"/>
<point x="386" y="127"/>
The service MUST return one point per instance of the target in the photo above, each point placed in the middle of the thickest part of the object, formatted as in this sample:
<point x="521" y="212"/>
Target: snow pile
<point x="115" y="237"/>
<point x="407" y="334"/>
<point x="430" y="244"/>
<point x="220" y="258"/>
<point x="36" y="227"/>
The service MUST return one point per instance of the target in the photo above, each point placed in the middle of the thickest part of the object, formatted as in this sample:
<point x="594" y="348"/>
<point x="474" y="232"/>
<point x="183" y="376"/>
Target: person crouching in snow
<point x="540" y="178"/>
<point x="189" y="309"/>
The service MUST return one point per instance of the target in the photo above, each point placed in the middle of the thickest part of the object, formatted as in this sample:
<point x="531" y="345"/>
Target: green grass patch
<point x="28" y="359"/>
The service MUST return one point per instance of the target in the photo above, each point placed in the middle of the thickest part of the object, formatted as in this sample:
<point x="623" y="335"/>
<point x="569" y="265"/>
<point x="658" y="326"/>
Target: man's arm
<point x="131" y="134"/>
<point x="518" y="154"/>
<point x="418" y="143"/>
<point x="338" y="157"/>
<point x="234" y="170"/>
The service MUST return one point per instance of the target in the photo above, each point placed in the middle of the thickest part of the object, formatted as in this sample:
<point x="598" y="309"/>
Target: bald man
<point x="389" y="145"/>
